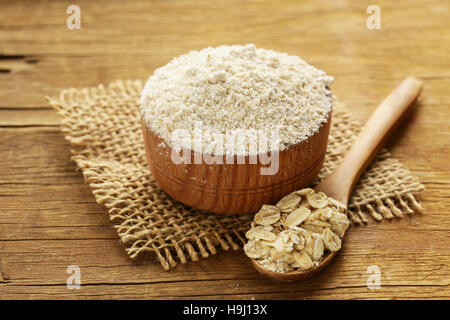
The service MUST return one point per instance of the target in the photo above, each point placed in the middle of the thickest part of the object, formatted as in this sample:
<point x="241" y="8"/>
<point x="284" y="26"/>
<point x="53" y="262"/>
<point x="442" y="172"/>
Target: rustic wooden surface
<point x="49" y="219"/>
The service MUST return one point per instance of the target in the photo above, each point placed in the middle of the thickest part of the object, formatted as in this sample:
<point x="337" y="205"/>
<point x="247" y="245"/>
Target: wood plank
<point x="62" y="226"/>
<point x="48" y="216"/>
<point x="128" y="50"/>
<point x="16" y="117"/>
<point x="229" y="289"/>
<point x="52" y="74"/>
<point x="38" y="269"/>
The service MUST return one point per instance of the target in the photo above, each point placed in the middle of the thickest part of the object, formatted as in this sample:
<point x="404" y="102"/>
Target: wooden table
<point x="49" y="219"/>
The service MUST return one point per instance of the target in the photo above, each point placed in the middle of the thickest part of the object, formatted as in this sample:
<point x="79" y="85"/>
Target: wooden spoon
<point x="339" y="184"/>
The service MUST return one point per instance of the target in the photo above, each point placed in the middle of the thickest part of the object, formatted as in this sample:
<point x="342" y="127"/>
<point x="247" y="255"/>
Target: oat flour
<point x="236" y="88"/>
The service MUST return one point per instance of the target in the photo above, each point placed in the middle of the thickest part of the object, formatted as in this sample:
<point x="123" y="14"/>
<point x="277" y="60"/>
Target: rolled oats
<point x="339" y="224"/>
<point x="268" y="215"/>
<point x="289" y="202"/>
<point x="261" y="233"/>
<point x="316" y="222"/>
<point x="256" y="249"/>
<point x="317" y="200"/>
<point x="296" y="233"/>
<point x="318" y="247"/>
<point x="286" y="240"/>
<point x="323" y="214"/>
<point x="302" y="260"/>
<point x="304" y="192"/>
<point x="309" y="244"/>
<point x="297" y="216"/>
<point x="314" y="228"/>
<point x="331" y="240"/>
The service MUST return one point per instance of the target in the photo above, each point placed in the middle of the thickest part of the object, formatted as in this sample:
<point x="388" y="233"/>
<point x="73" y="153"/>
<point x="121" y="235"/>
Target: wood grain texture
<point x="49" y="219"/>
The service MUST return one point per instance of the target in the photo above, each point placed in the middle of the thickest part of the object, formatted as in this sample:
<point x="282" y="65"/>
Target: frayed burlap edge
<point x="102" y="125"/>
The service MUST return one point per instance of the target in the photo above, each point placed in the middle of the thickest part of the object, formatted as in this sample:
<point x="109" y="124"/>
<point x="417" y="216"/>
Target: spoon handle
<point x="339" y="184"/>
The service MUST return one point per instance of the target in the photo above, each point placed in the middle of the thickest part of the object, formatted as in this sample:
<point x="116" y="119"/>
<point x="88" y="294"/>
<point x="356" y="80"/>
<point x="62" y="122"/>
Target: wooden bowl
<point x="235" y="188"/>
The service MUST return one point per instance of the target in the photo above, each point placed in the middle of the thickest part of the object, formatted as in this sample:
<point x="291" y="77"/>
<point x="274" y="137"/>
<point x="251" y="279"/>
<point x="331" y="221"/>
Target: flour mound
<point x="236" y="89"/>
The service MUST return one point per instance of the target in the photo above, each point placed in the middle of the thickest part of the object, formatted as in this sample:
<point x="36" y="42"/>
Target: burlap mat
<point x="102" y="125"/>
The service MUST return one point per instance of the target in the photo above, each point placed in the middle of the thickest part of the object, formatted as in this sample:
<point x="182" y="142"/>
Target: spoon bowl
<point x="294" y="275"/>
